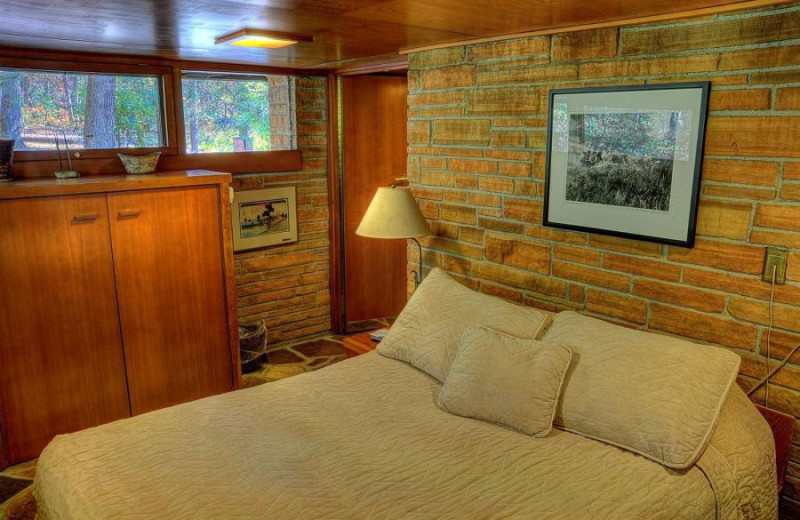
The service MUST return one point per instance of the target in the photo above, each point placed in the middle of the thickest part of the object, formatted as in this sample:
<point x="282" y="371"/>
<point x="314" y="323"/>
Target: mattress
<point x="364" y="439"/>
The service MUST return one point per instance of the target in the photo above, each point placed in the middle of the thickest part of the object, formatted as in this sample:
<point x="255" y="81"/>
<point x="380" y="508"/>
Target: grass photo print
<point x="625" y="161"/>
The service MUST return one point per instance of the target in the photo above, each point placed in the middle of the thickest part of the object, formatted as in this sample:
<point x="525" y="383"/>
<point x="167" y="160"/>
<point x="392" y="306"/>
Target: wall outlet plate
<point x="775" y="261"/>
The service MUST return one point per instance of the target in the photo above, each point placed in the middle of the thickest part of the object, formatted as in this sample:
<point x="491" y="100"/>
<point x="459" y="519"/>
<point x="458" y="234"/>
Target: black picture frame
<point x="598" y="136"/>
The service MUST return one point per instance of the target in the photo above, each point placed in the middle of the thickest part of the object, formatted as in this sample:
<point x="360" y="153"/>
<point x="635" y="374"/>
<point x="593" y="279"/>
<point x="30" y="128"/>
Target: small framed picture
<point x="625" y="161"/>
<point x="264" y="218"/>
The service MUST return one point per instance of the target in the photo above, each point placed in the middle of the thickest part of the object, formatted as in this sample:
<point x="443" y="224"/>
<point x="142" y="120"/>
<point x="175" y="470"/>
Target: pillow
<point x="502" y="379"/>
<point x="653" y="395"/>
<point x="427" y="332"/>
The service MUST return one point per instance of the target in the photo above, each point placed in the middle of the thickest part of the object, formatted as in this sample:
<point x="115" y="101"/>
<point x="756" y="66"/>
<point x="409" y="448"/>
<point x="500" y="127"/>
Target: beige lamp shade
<point x="393" y="213"/>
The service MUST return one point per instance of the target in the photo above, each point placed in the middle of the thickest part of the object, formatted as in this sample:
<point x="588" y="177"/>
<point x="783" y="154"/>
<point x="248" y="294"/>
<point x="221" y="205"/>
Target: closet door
<point x="168" y="259"/>
<point x="61" y="363"/>
<point x="374" y="155"/>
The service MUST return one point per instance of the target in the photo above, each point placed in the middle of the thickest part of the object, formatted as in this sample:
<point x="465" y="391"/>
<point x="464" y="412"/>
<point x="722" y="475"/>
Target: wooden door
<point x="61" y="362"/>
<point x="168" y="260"/>
<point x="374" y="155"/>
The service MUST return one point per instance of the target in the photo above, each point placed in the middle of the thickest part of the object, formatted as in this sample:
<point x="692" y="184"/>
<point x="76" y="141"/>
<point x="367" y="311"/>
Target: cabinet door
<point x="168" y="259"/>
<point x="61" y="362"/>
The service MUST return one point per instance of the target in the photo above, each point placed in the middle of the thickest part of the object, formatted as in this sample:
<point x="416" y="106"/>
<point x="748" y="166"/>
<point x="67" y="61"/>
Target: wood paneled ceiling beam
<point x="346" y="33"/>
<point x="706" y="11"/>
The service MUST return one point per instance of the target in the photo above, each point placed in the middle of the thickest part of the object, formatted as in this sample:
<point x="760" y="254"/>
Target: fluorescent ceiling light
<point x="262" y="39"/>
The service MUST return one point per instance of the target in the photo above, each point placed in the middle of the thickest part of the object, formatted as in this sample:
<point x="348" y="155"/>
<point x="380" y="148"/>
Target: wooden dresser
<point x="116" y="298"/>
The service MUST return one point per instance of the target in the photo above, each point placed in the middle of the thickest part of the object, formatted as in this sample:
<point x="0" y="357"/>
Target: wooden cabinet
<point x="60" y="346"/>
<point x="114" y="302"/>
<point x="170" y="285"/>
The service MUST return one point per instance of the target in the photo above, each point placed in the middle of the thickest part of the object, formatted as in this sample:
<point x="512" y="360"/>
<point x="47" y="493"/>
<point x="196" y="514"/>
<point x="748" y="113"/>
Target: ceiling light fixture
<point x="262" y="39"/>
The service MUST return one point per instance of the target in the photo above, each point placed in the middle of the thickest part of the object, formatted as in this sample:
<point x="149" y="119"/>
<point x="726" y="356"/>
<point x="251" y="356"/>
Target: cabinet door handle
<point x="129" y="213"/>
<point x="86" y="217"/>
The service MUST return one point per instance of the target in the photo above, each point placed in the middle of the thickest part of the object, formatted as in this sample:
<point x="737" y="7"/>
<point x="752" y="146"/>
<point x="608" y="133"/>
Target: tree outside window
<point x="224" y="113"/>
<point x="90" y="111"/>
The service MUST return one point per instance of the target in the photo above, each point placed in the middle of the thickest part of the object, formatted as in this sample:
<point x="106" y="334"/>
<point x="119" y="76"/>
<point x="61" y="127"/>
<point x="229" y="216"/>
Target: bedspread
<point x="364" y="439"/>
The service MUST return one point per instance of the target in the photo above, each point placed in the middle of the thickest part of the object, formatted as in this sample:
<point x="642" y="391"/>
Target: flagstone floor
<point x="16" y="492"/>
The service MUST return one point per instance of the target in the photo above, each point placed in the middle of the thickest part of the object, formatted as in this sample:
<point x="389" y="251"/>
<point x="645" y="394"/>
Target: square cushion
<point x="427" y="332"/>
<point x="647" y="393"/>
<point x="506" y="380"/>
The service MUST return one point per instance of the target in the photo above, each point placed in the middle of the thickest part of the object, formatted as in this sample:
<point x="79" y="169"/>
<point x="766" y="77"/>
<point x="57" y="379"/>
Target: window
<point x="87" y="110"/>
<point x="236" y="113"/>
<point x="100" y="106"/>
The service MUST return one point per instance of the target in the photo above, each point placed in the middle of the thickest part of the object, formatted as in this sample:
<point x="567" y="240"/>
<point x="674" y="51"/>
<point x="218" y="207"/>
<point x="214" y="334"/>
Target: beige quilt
<point x="364" y="439"/>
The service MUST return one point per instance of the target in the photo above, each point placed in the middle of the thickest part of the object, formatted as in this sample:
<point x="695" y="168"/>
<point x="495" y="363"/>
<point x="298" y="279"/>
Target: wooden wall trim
<point x="229" y="275"/>
<point x="376" y="64"/>
<point x="232" y="162"/>
<point x="237" y="162"/>
<point x="706" y="11"/>
<point x="52" y="187"/>
<point x="335" y="209"/>
<point x="179" y="127"/>
<point x="20" y="54"/>
<point x="173" y="133"/>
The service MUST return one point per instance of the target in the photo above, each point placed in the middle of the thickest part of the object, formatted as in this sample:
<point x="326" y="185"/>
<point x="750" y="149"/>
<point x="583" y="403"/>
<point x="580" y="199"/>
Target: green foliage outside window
<point x="90" y="110"/>
<point x="226" y="115"/>
<point x="222" y="113"/>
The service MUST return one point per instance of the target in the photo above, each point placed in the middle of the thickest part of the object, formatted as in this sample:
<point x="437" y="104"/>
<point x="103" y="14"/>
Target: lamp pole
<point x="418" y="274"/>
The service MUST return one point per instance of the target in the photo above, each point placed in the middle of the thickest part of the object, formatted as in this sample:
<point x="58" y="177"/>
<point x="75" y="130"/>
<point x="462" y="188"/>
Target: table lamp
<point x="394" y="214"/>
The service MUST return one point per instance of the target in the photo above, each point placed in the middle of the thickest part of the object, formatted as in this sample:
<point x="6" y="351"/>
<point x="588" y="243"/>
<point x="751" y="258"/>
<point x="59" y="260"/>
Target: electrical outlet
<point x="775" y="261"/>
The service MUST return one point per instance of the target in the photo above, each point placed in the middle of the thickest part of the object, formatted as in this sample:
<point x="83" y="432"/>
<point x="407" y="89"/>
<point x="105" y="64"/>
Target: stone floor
<point x="290" y="359"/>
<point x="16" y="492"/>
<point x="287" y="359"/>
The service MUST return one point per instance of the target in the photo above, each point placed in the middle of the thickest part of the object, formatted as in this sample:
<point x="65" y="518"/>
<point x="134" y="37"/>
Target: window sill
<point x="233" y="162"/>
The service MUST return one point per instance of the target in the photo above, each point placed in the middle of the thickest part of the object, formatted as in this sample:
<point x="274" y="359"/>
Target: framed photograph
<point x="625" y="161"/>
<point x="264" y="217"/>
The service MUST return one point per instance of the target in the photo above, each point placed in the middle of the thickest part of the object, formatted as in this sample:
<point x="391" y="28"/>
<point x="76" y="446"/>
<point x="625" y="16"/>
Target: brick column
<point x="286" y="285"/>
<point x="283" y="131"/>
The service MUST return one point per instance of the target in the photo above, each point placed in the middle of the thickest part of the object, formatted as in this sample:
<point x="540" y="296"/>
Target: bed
<point x="368" y="439"/>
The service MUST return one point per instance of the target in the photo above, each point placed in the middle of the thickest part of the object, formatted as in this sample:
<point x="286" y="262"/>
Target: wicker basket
<point x="252" y="345"/>
<point x="139" y="164"/>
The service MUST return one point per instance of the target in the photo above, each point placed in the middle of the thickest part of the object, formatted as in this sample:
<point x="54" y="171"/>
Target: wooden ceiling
<point x="346" y="32"/>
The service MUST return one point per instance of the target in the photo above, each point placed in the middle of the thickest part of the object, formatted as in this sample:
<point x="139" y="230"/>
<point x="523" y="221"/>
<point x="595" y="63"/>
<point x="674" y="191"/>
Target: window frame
<point x="166" y="92"/>
<point x="30" y="164"/>
<point x="214" y="74"/>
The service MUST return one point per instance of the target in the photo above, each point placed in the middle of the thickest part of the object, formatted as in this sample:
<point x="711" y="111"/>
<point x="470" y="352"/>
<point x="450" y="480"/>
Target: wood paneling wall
<point x="374" y="150"/>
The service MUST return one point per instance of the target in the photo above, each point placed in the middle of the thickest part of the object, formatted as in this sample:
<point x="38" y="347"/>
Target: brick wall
<point x="282" y="117"/>
<point x="287" y="285"/>
<point x="477" y="129"/>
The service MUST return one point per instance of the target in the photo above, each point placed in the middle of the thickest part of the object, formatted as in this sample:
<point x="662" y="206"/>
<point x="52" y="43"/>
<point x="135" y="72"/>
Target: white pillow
<point x="650" y="394"/>
<point x="506" y="380"/>
<point x="427" y="332"/>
